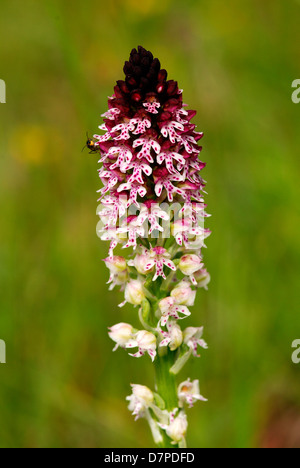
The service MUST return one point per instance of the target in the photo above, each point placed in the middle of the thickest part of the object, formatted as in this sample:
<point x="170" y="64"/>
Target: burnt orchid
<point x="152" y="204"/>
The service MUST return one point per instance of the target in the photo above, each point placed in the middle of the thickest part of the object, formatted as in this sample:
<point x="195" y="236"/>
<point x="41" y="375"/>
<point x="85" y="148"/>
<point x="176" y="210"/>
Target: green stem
<point x="166" y="386"/>
<point x="165" y="381"/>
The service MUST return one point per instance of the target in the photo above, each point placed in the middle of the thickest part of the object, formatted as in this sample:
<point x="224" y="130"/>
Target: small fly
<point x="90" y="144"/>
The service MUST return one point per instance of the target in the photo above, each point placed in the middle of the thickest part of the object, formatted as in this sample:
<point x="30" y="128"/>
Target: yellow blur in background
<point x="236" y="61"/>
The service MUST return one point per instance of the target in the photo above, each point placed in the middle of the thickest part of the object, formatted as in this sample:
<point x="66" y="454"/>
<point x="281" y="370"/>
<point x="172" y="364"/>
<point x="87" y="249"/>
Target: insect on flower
<point x="90" y="144"/>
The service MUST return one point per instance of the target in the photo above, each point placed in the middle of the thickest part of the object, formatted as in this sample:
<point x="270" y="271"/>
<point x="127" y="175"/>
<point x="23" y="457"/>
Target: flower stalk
<point x="152" y="204"/>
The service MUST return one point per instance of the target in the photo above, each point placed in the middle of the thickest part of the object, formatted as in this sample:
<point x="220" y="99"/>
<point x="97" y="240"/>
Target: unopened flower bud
<point x="202" y="278"/>
<point x="116" y="264"/>
<point x="134" y="293"/>
<point x="121" y="334"/>
<point x="189" y="264"/>
<point x="143" y="393"/>
<point x="183" y="294"/>
<point x="140" y="262"/>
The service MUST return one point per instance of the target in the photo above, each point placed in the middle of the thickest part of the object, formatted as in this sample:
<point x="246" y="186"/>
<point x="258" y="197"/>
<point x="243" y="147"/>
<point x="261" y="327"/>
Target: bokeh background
<point x="235" y="60"/>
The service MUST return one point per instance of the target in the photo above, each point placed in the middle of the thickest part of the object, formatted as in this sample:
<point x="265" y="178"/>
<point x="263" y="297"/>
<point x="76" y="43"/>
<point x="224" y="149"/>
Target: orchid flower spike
<point x="153" y="211"/>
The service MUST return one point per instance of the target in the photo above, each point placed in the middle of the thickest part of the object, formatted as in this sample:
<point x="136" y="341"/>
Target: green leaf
<point x="159" y="401"/>
<point x="180" y="362"/>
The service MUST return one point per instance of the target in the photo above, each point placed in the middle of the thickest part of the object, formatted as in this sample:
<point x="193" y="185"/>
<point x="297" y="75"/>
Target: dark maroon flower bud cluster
<point x="144" y="79"/>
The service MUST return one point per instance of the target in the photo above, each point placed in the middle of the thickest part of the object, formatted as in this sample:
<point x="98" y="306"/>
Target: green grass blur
<point x="235" y="60"/>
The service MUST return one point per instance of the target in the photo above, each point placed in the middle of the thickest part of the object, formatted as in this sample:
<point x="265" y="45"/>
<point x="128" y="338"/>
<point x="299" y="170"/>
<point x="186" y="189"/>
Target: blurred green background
<point x="235" y="60"/>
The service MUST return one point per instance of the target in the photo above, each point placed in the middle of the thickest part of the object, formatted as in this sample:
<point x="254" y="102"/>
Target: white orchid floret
<point x="169" y="131"/>
<point x="194" y="210"/>
<point x="121" y="334"/>
<point x="147" y="144"/>
<point x="179" y="227"/>
<point x="189" y="392"/>
<point x="198" y="242"/>
<point x="159" y="257"/>
<point x="122" y="155"/>
<point x="169" y="157"/>
<point x="189" y="264"/>
<point x="145" y="342"/>
<point x="183" y="294"/>
<point x="107" y="221"/>
<point x="140" y="400"/>
<point x="192" y="337"/>
<point x="120" y="279"/>
<point x="170" y="308"/>
<point x="173" y="337"/>
<point x="134" y="293"/>
<point x="152" y="213"/>
<point x="111" y="209"/>
<point x="152" y="105"/>
<point x="132" y="232"/>
<point x="177" y="427"/>
<point x="118" y="271"/>
<point x="124" y="128"/>
<point x="143" y="394"/>
<point x="111" y="234"/>
<point x="202" y="278"/>
<point x="111" y="113"/>
<point x="108" y="217"/>
<point x="184" y="231"/>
